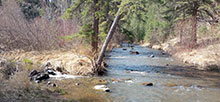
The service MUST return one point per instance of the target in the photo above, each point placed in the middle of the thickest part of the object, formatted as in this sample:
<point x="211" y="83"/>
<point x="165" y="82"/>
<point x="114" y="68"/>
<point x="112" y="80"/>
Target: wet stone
<point x="50" y="71"/>
<point x="33" y="73"/>
<point x="152" y="56"/>
<point x="42" y="76"/>
<point x="134" y="52"/>
<point x="147" y="84"/>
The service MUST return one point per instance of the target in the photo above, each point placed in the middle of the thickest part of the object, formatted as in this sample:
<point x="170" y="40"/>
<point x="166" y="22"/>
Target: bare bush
<point x="39" y="34"/>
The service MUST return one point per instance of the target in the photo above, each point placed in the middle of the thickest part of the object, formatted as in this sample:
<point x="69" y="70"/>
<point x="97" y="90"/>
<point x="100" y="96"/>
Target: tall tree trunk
<point x="108" y="38"/>
<point x="95" y="26"/>
<point x="0" y="2"/>
<point x="194" y="25"/>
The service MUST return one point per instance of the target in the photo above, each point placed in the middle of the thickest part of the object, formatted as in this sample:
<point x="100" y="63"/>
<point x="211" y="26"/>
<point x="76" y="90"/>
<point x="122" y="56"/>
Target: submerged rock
<point x="147" y="84"/>
<point x="115" y="80"/>
<point x="134" y="52"/>
<point x="171" y="85"/>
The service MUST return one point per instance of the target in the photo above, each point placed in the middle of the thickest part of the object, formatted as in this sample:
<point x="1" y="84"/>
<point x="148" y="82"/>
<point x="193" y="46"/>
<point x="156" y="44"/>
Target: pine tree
<point x="197" y="10"/>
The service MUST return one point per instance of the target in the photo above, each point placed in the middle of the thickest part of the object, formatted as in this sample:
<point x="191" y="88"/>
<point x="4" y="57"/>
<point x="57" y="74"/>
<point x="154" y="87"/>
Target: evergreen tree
<point x="30" y="8"/>
<point x="197" y="9"/>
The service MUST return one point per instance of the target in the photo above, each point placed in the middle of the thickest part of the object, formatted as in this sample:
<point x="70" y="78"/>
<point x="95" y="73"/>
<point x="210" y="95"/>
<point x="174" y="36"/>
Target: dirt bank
<point x="205" y="57"/>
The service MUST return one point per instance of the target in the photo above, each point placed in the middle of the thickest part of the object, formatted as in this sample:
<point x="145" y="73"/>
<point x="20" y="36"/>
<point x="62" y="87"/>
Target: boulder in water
<point x="171" y="85"/>
<point x="147" y="84"/>
<point x="124" y="49"/>
<point x="163" y="53"/>
<point x="33" y="73"/>
<point x="152" y="56"/>
<point x="42" y="76"/>
<point x="38" y="76"/>
<point x="50" y="71"/>
<point x="134" y="52"/>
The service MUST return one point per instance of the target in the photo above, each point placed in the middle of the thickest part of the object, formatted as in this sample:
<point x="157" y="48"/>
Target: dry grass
<point x="204" y="56"/>
<point x="20" y="89"/>
<point x="71" y="60"/>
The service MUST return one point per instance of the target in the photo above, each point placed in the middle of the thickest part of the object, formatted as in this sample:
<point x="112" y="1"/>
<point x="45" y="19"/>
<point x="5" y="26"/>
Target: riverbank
<point x="75" y="63"/>
<point x="205" y="57"/>
<point x="16" y="84"/>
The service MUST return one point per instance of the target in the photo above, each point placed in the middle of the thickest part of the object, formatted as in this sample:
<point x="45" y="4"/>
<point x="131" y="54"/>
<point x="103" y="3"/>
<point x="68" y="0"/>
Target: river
<point x="172" y="80"/>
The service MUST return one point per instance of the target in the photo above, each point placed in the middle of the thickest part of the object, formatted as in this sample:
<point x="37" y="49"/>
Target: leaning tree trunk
<point x="194" y="25"/>
<point x="95" y="27"/>
<point x="108" y="38"/>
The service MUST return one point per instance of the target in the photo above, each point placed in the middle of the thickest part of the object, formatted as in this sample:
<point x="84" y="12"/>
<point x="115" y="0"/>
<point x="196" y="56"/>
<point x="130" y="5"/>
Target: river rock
<point x="152" y="56"/>
<point x="124" y="49"/>
<point x="147" y="84"/>
<point x="38" y="76"/>
<point x="33" y="73"/>
<point x="163" y="53"/>
<point x="50" y="70"/>
<point x="42" y="76"/>
<point x="134" y="52"/>
<point x="102" y="88"/>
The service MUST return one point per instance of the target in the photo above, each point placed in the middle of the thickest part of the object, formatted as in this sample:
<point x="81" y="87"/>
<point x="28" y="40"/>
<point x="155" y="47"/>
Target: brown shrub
<point x="38" y="34"/>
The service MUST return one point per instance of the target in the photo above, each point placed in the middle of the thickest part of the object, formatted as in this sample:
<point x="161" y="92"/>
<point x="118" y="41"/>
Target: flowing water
<point x="173" y="81"/>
